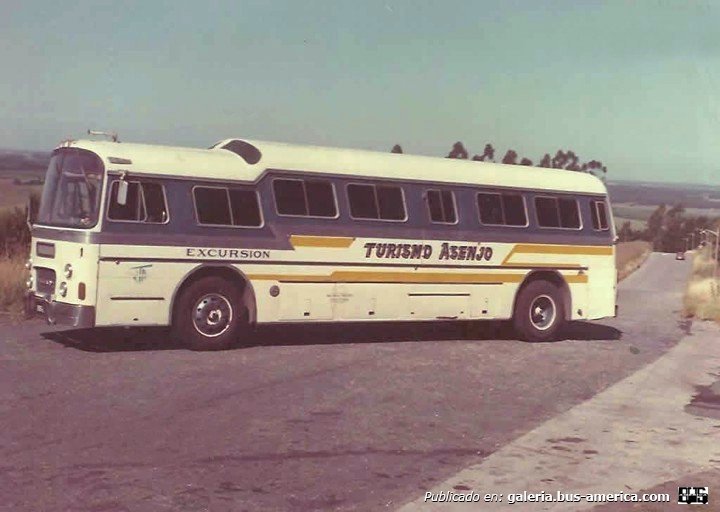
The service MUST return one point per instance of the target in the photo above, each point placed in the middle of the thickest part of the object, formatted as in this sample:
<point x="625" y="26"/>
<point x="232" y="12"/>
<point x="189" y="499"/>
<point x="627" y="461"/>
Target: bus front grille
<point x="45" y="279"/>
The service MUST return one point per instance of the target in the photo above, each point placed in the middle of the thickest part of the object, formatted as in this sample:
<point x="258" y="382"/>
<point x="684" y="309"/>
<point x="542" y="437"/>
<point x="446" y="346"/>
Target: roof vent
<point x="247" y="151"/>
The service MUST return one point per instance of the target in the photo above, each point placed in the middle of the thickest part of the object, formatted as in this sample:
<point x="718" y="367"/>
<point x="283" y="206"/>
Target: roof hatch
<point x="247" y="151"/>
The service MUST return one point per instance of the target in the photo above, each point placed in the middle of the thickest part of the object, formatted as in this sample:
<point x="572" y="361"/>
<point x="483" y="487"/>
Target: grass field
<point x="629" y="256"/>
<point x="15" y="195"/>
<point x="12" y="285"/>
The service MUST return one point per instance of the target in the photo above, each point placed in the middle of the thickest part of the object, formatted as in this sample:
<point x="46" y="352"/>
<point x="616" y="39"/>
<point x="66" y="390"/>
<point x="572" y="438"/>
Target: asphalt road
<point x="359" y="417"/>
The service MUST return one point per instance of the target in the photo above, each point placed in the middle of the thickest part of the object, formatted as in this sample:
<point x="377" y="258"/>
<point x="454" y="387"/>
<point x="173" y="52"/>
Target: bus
<point x="213" y="242"/>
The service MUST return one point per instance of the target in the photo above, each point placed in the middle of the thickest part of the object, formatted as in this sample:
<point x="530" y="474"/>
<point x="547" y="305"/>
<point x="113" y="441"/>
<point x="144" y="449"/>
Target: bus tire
<point x="539" y="312"/>
<point x="209" y="315"/>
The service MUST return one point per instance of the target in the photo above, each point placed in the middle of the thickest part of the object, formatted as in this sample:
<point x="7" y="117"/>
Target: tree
<point x="571" y="162"/>
<point x="526" y="161"/>
<point x="396" y="149"/>
<point x="558" y="161"/>
<point x="458" y="151"/>
<point x="673" y="236"/>
<point x="654" y="229"/>
<point x="487" y="156"/>
<point x="545" y="162"/>
<point x="594" y="165"/>
<point x="627" y="234"/>
<point x="489" y="153"/>
<point x="510" y="157"/>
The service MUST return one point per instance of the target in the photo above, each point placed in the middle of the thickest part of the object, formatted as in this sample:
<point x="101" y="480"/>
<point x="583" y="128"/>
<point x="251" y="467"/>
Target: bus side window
<point x="245" y="208"/>
<point x="376" y="202"/>
<point x="504" y="209"/>
<point x="514" y="208"/>
<point x="305" y="198"/>
<point x="547" y="212"/>
<point x="145" y="202"/>
<point x="554" y="212"/>
<point x="598" y="213"/>
<point x="363" y="203"/>
<point x="569" y="213"/>
<point x="133" y="209"/>
<point x="212" y="206"/>
<point x="441" y="206"/>
<point x="154" y="199"/>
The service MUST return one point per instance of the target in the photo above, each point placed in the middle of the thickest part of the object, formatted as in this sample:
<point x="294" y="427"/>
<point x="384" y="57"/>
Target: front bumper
<point x="61" y="313"/>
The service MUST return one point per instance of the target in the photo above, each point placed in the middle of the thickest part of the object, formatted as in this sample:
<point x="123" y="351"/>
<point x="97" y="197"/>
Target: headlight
<point x="62" y="289"/>
<point x="68" y="271"/>
<point x="28" y="264"/>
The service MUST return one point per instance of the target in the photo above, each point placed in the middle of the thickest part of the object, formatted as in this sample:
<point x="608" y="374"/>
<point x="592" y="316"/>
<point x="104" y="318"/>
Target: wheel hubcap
<point x="543" y="312"/>
<point x="212" y="315"/>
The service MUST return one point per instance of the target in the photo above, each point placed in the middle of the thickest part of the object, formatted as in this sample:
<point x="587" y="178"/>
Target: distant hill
<point x="654" y="194"/>
<point x="16" y="160"/>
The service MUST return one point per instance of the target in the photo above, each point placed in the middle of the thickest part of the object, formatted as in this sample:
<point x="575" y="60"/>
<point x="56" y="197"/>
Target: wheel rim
<point x="212" y="315"/>
<point x="543" y="312"/>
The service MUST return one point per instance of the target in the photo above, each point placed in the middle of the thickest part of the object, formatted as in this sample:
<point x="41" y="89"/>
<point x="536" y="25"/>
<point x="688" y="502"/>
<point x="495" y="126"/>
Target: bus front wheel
<point x="209" y="315"/>
<point x="539" y="311"/>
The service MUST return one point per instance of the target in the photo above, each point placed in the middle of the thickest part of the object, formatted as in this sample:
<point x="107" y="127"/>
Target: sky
<point x="633" y="84"/>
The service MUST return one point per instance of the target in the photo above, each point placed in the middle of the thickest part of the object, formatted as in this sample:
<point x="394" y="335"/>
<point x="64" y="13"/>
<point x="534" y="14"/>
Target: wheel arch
<point x="554" y="277"/>
<point x="228" y="272"/>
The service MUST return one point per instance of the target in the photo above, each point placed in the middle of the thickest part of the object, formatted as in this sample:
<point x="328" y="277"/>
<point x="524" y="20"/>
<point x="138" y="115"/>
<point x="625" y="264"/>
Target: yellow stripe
<point x="542" y="265"/>
<point x="338" y="242"/>
<point x="394" y="277"/>
<point x="579" y="278"/>
<point x="585" y="250"/>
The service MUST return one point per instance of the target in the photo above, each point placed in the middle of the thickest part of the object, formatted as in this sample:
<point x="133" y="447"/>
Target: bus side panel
<point x="602" y="286"/>
<point x="135" y="293"/>
<point x="578" y="301"/>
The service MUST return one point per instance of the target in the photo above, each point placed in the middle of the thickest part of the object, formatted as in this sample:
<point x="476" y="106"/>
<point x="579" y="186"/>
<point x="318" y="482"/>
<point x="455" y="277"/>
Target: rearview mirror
<point x="122" y="192"/>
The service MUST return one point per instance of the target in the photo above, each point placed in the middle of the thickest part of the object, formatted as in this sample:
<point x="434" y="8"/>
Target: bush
<point x="702" y="296"/>
<point x="14" y="232"/>
<point x="12" y="284"/>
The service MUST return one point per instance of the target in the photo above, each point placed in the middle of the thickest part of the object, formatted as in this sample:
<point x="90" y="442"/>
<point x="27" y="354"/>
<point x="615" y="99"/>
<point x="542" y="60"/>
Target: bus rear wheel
<point x="539" y="312"/>
<point x="209" y="315"/>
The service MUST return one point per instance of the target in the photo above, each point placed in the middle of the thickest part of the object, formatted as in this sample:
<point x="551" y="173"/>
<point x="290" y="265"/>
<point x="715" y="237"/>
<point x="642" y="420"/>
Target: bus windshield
<point x="71" y="196"/>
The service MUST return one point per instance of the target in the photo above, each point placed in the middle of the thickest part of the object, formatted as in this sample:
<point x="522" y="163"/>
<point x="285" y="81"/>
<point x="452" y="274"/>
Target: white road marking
<point x="632" y="436"/>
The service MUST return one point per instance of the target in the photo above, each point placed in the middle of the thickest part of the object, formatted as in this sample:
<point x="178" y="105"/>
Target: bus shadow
<point x="115" y="339"/>
<point x="157" y="338"/>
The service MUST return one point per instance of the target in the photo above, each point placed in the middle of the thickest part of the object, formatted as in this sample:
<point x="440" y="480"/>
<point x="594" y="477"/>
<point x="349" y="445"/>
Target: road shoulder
<point x="635" y="435"/>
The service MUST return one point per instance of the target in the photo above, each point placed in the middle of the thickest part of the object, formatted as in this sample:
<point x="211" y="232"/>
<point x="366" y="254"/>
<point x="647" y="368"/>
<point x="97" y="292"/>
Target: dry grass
<point x="702" y="296"/>
<point x="12" y="195"/>
<point x="12" y="285"/>
<point x="629" y="256"/>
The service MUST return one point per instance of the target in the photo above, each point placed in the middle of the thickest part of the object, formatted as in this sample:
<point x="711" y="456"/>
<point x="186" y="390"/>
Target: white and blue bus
<point x="214" y="241"/>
